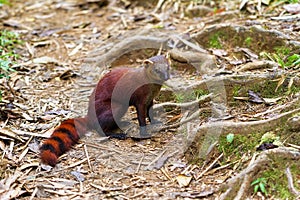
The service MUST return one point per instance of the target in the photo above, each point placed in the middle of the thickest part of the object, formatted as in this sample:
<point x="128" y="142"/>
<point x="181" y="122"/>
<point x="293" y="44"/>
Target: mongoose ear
<point x="168" y="57"/>
<point x="147" y="63"/>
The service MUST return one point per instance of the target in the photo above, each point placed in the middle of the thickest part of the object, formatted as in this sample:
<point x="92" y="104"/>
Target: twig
<point x="24" y="146"/>
<point x="183" y="105"/>
<point x="294" y="146"/>
<point x="221" y="167"/>
<point x="209" y="167"/>
<point x="87" y="156"/>
<point x="103" y="147"/>
<point x="290" y="182"/>
<point x="124" y="21"/>
<point x="280" y="107"/>
<point x="158" y="5"/>
<point x="190" y="44"/>
<point x="23" y="154"/>
<point x="157" y="158"/>
<point x="11" y="134"/>
<point x="137" y="195"/>
<point x="191" y="117"/>
<point x="106" y="189"/>
<point x="33" y="193"/>
<point x="140" y="163"/>
<point x="163" y="170"/>
<point x="74" y="164"/>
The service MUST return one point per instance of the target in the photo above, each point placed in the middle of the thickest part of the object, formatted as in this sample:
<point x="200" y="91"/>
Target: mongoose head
<point x="158" y="68"/>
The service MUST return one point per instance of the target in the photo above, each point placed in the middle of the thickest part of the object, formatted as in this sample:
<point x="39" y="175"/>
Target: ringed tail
<point x="62" y="139"/>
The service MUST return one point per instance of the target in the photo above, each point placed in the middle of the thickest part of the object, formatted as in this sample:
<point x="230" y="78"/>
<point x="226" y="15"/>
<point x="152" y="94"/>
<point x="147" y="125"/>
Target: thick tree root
<point x="237" y="186"/>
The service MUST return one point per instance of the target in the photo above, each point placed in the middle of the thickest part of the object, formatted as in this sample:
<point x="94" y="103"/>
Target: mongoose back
<point x="115" y="92"/>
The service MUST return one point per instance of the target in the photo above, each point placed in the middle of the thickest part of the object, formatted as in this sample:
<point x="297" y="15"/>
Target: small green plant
<point x="214" y="41"/>
<point x="179" y="97"/>
<point x="235" y="90"/>
<point x="282" y="51"/>
<point x="5" y="68"/>
<point x="270" y="137"/>
<point x="293" y="60"/>
<point x="275" y="176"/>
<point x="283" y="60"/>
<point x="260" y="184"/>
<point x="198" y="93"/>
<point x="189" y="95"/>
<point x="233" y="146"/>
<point x="4" y="2"/>
<point x="230" y="137"/>
<point x="248" y="41"/>
<point x="290" y="1"/>
<point x="8" y="42"/>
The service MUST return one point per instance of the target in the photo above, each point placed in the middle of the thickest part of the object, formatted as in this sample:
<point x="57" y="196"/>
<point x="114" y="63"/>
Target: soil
<point x="61" y="62"/>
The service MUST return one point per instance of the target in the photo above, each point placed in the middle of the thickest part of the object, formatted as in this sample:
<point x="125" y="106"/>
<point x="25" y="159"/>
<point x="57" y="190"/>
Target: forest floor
<point x="59" y="65"/>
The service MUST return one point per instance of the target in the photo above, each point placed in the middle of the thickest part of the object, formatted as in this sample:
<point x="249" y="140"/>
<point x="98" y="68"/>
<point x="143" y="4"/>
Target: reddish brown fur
<point x="115" y="92"/>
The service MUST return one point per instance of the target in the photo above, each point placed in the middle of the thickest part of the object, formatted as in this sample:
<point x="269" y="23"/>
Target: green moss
<point x="282" y="51"/>
<point x="8" y="43"/>
<point x="240" y="145"/>
<point x="294" y="89"/>
<point x="214" y="41"/>
<point x="248" y="41"/>
<point x="4" y="2"/>
<point x="267" y="89"/>
<point x="179" y="97"/>
<point x="235" y="90"/>
<point x="277" y="183"/>
<point x="187" y="96"/>
<point x="199" y="92"/>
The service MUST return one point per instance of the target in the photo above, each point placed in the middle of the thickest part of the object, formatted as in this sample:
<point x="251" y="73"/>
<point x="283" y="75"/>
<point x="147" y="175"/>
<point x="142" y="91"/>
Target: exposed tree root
<point x="249" y="127"/>
<point x="184" y="105"/>
<point x="291" y="183"/>
<point x="115" y="49"/>
<point x="236" y="187"/>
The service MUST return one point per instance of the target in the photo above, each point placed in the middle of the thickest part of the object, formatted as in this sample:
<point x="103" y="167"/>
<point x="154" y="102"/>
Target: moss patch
<point x="277" y="183"/>
<point x="241" y="144"/>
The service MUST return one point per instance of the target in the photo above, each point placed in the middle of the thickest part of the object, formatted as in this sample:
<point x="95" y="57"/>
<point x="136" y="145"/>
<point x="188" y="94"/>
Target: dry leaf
<point x="292" y="8"/>
<point x="76" y="49"/>
<point x="183" y="180"/>
<point x="280" y="82"/>
<point x="45" y="60"/>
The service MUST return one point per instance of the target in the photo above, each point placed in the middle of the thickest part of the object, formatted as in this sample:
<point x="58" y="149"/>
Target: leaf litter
<point x="40" y="95"/>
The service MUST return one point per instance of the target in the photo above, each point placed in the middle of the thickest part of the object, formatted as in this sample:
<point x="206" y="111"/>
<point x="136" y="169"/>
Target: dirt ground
<point x="56" y="73"/>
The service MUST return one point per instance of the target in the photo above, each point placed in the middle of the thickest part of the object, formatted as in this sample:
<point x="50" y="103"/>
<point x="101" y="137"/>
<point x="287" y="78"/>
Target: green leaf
<point x="293" y="60"/>
<point x="256" y="188"/>
<point x="255" y="182"/>
<point x="262" y="188"/>
<point x="279" y="60"/>
<point x="230" y="137"/>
